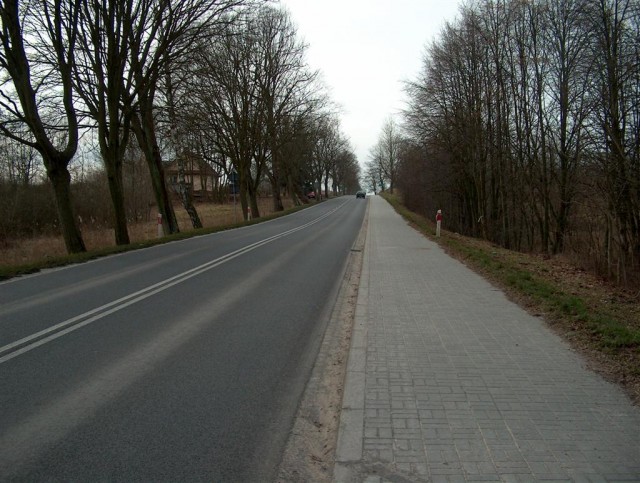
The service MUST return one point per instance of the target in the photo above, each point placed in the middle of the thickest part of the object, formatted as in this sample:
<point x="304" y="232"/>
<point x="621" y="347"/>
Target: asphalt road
<point x="182" y="362"/>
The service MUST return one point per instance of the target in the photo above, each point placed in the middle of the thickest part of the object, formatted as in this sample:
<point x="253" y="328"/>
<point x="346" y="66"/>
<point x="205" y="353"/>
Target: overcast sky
<point x="365" y="49"/>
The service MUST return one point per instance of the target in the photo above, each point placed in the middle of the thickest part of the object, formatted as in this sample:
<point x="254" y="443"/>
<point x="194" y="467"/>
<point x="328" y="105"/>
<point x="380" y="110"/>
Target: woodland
<point x="523" y="127"/>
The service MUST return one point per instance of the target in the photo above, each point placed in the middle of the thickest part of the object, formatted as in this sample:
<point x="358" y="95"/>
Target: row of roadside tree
<point x="222" y="83"/>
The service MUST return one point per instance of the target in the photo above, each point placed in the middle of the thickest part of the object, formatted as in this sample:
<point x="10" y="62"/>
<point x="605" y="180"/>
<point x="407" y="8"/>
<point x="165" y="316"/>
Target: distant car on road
<point x="361" y="194"/>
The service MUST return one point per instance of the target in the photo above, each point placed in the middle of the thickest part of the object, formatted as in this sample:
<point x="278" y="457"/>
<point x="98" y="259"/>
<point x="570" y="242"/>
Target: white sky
<point x="365" y="49"/>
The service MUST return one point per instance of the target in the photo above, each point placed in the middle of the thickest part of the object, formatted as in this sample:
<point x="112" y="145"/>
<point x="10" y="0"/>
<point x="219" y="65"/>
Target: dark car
<point x="361" y="194"/>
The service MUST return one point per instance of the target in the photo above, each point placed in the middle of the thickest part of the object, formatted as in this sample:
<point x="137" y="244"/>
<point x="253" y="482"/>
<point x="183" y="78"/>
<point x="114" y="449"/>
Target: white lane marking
<point x="42" y="337"/>
<point x="27" y="438"/>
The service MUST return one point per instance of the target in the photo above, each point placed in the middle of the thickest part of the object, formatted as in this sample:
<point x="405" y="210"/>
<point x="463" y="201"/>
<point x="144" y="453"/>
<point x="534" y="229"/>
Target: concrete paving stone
<point x="437" y="432"/>
<point x="471" y="468"/>
<point x="380" y="382"/>
<point x="518" y="478"/>
<point x="375" y="413"/>
<point x="466" y="434"/>
<point x="378" y="443"/>
<point x="512" y="467"/>
<point x="384" y="455"/>
<point x="495" y="424"/>
<point x="629" y="467"/>
<point x="451" y="475"/>
<point x="374" y="402"/>
<point x="370" y="432"/>
<point x="508" y="455"/>
<point x="383" y="413"/>
<point x="404" y="467"/>
<point x="477" y="456"/>
<point x="452" y="402"/>
<point x="427" y="414"/>
<point x="488" y="414"/>
<point x="497" y="435"/>
<point x="620" y="478"/>
<point x="549" y="469"/>
<point x="420" y="469"/>
<point x="553" y="479"/>
<point x="375" y="391"/>
<point x="377" y="425"/>
<point x="478" y="404"/>
<point x="409" y="459"/>
<point x="407" y="433"/>
<point x="477" y="468"/>
<point x="481" y="478"/>
<point x="586" y="478"/>
<point x="538" y="456"/>
<point x="470" y="445"/>
<point x="444" y="461"/>
<point x="401" y="402"/>
<point x="408" y="444"/>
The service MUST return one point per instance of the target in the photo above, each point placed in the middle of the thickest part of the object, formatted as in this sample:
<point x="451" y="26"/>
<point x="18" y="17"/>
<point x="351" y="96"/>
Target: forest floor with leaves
<point x="598" y="318"/>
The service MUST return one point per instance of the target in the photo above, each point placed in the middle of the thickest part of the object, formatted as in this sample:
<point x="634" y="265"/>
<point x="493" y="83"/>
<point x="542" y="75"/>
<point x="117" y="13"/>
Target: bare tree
<point x="388" y="151"/>
<point x="328" y="143"/>
<point x="160" y="33"/>
<point x="178" y="136"/>
<point x="286" y="87"/>
<point x="372" y="175"/>
<point x="571" y="78"/>
<point x="225" y="95"/>
<point x="103" y="81"/>
<point x="346" y="171"/>
<point x="53" y="26"/>
<point x="616" y="24"/>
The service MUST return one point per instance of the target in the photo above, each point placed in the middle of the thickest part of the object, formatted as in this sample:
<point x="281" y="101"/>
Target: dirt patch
<point x="311" y="448"/>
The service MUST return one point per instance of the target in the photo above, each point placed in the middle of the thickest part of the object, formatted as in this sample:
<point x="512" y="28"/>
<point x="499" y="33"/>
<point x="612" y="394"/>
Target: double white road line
<point x="38" y="339"/>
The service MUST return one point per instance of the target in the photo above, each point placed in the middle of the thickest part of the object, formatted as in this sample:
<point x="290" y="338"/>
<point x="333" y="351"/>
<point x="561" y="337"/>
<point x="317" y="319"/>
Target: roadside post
<point x="438" y="222"/>
<point x="160" y="230"/>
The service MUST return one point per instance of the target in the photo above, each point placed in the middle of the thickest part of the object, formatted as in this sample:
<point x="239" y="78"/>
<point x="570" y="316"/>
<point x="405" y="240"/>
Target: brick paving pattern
<point x="450" y="381"/>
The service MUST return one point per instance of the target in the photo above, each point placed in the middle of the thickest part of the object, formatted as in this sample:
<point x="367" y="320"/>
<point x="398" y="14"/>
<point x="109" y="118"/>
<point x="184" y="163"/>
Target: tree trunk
<point x="114" y="177"/>
<point x="291" y="186"/>
<point x="184" y="190"/>
<point x="61" y="181"/>
<point x="185" y="196"/>
<point x="277" y="198"/>
<point x="144" y="129"/>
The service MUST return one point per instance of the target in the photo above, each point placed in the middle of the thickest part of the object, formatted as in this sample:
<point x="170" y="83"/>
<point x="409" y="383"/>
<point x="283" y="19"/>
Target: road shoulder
<point x="310" y="451"/>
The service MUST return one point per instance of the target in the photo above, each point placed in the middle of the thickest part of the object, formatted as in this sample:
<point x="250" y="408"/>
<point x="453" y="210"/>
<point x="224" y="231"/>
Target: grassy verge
<point x="596" y="318"/>
<point x="9" y="271"/>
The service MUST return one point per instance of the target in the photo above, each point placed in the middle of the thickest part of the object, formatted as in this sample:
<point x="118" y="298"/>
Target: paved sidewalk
<point x="449" y="381"/>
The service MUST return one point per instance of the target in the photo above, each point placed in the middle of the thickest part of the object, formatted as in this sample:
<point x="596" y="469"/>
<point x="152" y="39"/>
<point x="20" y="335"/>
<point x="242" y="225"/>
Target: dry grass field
<point x="31" y="250"/>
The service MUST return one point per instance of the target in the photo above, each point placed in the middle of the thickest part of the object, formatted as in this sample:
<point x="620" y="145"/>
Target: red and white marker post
<point x="160" y="230"/>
